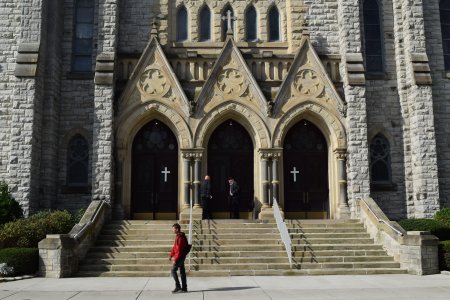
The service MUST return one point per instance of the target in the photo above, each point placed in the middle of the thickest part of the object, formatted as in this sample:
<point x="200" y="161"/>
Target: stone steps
<point x="238" y="247"/>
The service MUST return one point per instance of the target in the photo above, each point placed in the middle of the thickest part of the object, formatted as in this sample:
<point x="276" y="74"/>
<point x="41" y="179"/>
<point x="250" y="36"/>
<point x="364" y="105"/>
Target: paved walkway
<point x="260" y="288"/>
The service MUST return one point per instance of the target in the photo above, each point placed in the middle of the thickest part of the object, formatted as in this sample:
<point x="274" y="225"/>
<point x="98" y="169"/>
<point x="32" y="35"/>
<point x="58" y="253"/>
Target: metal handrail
<point x="91" y="220"/>
<point x="284" y="233"/>
<point x="383" y="221"/>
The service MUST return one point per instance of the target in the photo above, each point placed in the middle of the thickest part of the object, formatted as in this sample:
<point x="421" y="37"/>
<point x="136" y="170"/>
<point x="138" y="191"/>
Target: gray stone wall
<point x="383" y="111"/>
<point x="441" y="96"/>
<point x="9" y="35"/>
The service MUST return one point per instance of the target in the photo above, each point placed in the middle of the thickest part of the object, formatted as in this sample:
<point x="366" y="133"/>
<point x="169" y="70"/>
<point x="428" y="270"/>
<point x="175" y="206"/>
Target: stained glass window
<point x="205" y="24"/>
<point x="274" y="24"/>
<point x="182" y="24"/>
<point x="83" y="33"/>
<point x="372" y="36"/>
<point x="77" y="161"/>
<point x="380" y="160"/>
<point x="444" y="7"/>
<point x="251" y="24"/>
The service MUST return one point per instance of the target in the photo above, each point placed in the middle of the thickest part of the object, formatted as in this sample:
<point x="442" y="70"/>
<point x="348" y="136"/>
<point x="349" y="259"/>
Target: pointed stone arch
<point x="326" y="121"/>
<point x="252" y="122"/>
<point x="126" y="129"/>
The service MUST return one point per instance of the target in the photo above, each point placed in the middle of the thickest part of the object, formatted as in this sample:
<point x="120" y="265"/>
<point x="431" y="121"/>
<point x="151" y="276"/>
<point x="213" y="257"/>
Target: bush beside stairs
<point x="239" y="247"/>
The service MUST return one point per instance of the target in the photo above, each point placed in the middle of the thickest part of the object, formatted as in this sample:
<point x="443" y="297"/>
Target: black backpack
<point x="187" y="248"/>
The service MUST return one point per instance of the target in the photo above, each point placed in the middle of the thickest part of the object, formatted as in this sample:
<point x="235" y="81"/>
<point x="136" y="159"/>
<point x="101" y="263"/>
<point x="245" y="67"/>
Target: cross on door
<point x="294" y="172"/>
<point x="165" y="172"/>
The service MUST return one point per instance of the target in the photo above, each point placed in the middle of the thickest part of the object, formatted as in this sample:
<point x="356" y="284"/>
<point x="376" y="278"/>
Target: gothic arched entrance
<point x="305" y="164"/>
<point x="154" y="180"/>
<point x="230" y="153"/>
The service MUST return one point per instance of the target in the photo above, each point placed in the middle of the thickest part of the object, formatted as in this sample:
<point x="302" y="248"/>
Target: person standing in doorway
<point x="179" y="255"/>
<point x="205" y="195"/>
<point x="234" y="198"/>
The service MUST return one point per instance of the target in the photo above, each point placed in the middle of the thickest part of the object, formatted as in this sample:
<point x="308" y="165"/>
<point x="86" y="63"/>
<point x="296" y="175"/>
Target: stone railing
<point x="416" y="251"/>
<point x="59" y="254"/>
<point x="270" y="69"/>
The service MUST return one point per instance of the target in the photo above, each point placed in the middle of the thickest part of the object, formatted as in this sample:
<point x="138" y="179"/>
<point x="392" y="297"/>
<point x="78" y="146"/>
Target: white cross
<point x="295" y="172"/>
<point x="165" y="172"/>
<point x="229" y="18"/>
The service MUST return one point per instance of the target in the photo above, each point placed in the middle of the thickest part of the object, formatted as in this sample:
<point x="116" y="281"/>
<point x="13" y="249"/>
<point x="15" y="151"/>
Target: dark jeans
<point x="205" y="204"/>
<point x="179" y="264"/>
<point x="234" y="201"/>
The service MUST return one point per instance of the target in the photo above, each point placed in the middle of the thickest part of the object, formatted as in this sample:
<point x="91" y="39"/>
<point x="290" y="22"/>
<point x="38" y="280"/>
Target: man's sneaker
<point x="176" y="290"/>
<point x="184" y="290"/>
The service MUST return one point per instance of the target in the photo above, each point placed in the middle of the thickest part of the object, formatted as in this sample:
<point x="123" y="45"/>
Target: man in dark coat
<point x="205" y="195"/>
<point x="179" y="255"/>
<point x="234" y="198"/>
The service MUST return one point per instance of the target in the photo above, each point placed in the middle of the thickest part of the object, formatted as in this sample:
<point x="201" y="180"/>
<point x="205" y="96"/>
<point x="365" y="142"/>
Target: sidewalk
<point x="280" y="288"/>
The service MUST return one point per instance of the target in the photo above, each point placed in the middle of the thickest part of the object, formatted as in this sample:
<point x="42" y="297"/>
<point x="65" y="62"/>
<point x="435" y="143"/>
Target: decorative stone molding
<point x="27" y="60"/>
<point x="153" y="83"/>
<point x="104" y="69"/>
<point x="341" y="153"/>
<point x="308" y="83"/>
<point x="355" y="69"/>
<point x="421" y="69"/>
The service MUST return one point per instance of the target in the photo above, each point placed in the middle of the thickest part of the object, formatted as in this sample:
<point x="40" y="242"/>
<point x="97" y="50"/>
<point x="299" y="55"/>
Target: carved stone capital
<point x="270" y="153"/>
<point x="196" y="154"/>
<point x="341" y="153"/>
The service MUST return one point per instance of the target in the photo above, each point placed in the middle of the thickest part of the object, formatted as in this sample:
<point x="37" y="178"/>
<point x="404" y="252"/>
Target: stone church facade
<point x="314" y="103"/>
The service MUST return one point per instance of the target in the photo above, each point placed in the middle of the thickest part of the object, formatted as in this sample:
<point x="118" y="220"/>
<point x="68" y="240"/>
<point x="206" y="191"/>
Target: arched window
<point x="82" y="38"/>
<point x="444" y="7"/>
<point x="182" y="24"/>
<point x="227" y="9"/>
<point x="372" y="36"/>
<point x="205" y="24"/>
<point x="380" y="160"/>
<point x="77" y="161"/>
<point x="274" y="24"/>
<point x="251" y="24"/>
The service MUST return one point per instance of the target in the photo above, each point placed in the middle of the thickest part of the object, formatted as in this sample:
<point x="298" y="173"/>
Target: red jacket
<point x="178" y="246"/>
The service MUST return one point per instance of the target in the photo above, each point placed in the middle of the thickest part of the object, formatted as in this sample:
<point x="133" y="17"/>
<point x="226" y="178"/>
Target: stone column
<point x="416" y="98"/>
<point x="344" y="211"/>
<point x="197" y="168"/>
<point x="187" y="181"/>
<point x="352" y="70"/>
<point x="191" y="158"/>
<point x="264" y="182"/>
<point x="103" y="131"/>
<point x="275" y="180"/>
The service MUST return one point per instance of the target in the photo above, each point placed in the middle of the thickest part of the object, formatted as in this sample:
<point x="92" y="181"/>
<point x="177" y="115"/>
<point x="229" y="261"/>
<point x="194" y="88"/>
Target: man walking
<point x="234" y="198"/>
<point x="179" y="255"/>
<point x="205" y="195"/>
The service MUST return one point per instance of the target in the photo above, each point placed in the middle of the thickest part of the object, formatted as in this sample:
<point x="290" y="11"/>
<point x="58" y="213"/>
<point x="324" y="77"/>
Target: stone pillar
<point x="352" y="70"/>
<point x="191" y="158"/>
<point x="416" y="97"/>
<point x="275" y="180"/>
<point x="187" y="181"/>
<point x="343" y="210"/>
<point x="268" y="157"/>
<point x="264" y="182"/>
<point x="197" y="168"/>
<point x="103" y="131"/>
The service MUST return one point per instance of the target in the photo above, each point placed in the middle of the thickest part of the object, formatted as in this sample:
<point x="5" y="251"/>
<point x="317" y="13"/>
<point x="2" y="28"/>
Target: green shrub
<point x="24" y="261"/>
<point x="10" y="209"/>
<point x="28" y="232"/>
<point x="436" y="228"/>
<point x="443" y="216"/>
<point x="444" y="255"/>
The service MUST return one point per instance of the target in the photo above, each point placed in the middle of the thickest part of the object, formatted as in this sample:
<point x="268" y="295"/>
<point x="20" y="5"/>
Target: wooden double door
<point x="154" y="186"/>
<point x="305" y="164"/>
<point x="230" y="154"/>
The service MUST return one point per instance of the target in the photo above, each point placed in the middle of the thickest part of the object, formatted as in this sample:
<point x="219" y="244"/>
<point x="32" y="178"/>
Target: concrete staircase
<point x="238" y="247"/>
